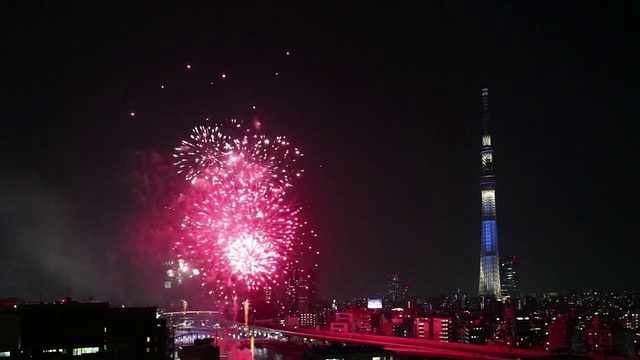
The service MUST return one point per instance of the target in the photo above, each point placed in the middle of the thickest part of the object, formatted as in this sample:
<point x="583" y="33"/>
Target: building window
<point x="85" y="350"/>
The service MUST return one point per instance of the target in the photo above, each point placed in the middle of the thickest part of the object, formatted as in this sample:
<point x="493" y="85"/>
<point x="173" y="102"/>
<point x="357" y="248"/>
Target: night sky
<point x="385" y="101"/>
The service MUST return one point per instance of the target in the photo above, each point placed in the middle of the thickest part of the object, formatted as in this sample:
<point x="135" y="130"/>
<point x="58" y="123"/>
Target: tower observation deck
<point x="489" y="284"/>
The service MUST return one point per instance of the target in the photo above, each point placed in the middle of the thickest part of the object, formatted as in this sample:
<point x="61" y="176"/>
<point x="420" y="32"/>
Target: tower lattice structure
<point x="489" y="261"/>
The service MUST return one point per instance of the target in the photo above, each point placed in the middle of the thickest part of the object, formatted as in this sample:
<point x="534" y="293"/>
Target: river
<point x="269" y="354"/>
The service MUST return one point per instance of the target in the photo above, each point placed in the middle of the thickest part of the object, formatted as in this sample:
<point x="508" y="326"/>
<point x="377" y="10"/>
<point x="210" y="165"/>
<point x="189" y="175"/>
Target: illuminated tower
<point x="489" y="262"/>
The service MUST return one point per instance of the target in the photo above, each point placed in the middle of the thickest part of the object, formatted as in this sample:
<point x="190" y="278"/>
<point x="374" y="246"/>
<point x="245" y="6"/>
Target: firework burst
<point x="206" y="150"/>
<point x="214" y="153"/>
<point x="240" y="227"/>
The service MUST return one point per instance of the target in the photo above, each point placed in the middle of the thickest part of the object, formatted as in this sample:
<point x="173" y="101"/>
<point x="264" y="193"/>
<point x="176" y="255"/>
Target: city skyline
<point x="382" y="100"/>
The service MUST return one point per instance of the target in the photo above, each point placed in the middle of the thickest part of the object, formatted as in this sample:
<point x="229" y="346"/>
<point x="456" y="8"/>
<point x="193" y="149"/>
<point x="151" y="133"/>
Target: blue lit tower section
<point x="489" y="261"/>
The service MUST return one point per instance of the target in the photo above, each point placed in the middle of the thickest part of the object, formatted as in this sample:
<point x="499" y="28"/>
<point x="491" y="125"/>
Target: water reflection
<point x="268" y="354"/>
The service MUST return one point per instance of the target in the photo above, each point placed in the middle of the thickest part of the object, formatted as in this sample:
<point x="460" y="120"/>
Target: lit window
<point x="85" y="350"/>
<point x="487" y="161"/>
<point x="489" y="202"/>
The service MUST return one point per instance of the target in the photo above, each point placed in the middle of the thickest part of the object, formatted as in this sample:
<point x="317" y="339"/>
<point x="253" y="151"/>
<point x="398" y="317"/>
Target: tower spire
<point x="489" y="283"/>
<point x="485" y="110"/>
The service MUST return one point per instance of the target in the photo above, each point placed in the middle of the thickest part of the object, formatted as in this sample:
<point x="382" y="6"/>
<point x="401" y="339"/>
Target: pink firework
<point x="205" y="151"/>
<point x="240" y="227"/>
<point x="212" y="154"/>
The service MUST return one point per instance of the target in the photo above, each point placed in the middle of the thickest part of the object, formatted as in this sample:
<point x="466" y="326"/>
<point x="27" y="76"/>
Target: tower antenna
<point x="485" y="110"/>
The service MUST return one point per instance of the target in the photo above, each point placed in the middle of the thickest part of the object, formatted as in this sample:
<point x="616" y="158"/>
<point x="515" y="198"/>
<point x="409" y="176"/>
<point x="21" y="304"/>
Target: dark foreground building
<point x="89" y="330"/>
<point x="202" y="349"/>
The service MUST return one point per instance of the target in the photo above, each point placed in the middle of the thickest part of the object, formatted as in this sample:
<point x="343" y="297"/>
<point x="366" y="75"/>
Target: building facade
<point x="300" y="291"/>
<point x="394" y="292"/>
<point x="509" y="276"/>
<point x="489" y="284"/>
<point x="64" y="330"/>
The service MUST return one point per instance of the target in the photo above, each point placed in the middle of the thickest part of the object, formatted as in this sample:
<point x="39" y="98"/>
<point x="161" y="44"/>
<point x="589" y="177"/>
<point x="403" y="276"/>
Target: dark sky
<point x="385" y="102"/>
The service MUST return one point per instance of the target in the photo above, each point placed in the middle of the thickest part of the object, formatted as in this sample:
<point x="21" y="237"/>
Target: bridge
<point x="265" y="333"/>
<point x="190" y="313"/>
<point x="419" y="347"/>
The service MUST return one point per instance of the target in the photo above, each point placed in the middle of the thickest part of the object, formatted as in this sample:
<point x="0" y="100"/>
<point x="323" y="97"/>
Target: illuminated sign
<point x="374" y="304"/>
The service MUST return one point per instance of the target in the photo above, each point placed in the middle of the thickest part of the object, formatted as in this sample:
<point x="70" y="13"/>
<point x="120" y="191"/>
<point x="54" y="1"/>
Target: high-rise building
<point x="508" y="276"/>
<point x="404" y="295"/>
<point x="394" y="292"/>
<point x="300" y="291"/>
<point x="489" y="284"/>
